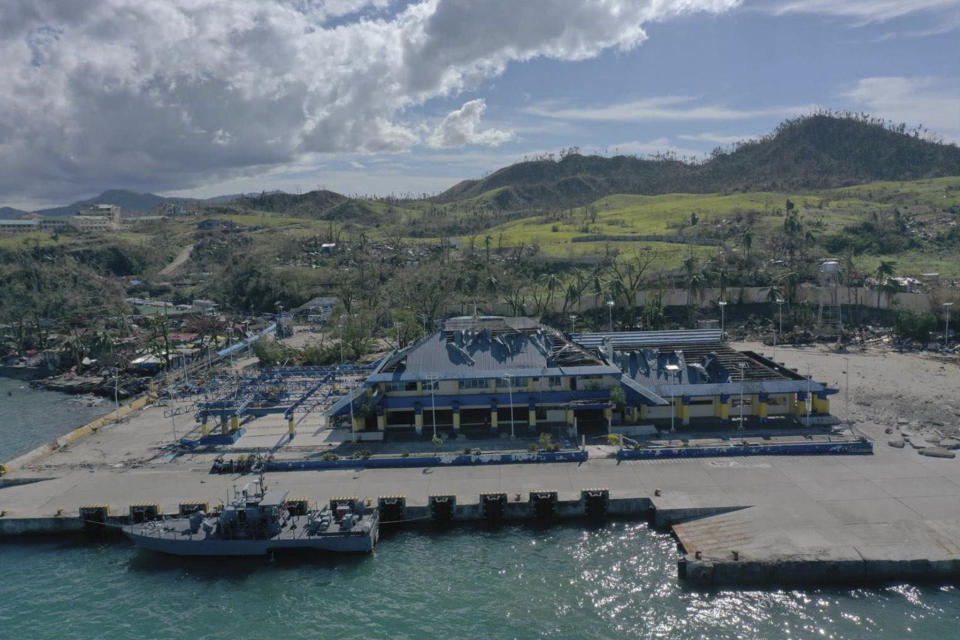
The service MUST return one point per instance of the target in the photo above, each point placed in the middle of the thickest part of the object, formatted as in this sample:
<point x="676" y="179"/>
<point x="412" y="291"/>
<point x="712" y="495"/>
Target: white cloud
<point x="864" y="11"/>
<point x="170" y="94"/>
<point x="657" y="146"/>
<point x="932" y="102"/>
<point x="716" y="138"/>
<point x="461" y="127"/>
<point x="676" y="108"/>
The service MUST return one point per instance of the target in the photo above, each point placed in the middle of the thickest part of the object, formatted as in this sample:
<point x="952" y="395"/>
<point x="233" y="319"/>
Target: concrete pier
<point x="777" y="520"/>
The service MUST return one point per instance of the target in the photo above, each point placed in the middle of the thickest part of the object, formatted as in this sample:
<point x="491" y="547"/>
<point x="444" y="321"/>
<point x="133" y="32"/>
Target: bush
<point x="915" y="326"/>
<point x="362" y="453"/>
<point x="329" y="456"/>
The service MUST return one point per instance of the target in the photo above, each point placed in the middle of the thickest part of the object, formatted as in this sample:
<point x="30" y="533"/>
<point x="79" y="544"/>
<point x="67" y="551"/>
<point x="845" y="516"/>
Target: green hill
<point x="815" y="152"/>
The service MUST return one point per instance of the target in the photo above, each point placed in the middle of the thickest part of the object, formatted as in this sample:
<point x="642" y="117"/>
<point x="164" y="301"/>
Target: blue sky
<point x="376" y="97"/>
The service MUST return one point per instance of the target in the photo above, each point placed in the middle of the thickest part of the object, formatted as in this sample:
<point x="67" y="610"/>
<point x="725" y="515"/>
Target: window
<point x="556" y="381"/>
<point x="399" y="386"/>
<point x="475" y="383"/>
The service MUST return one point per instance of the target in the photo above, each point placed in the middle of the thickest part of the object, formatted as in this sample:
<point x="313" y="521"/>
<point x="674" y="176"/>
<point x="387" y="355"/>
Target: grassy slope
<point x="832" y="209"/>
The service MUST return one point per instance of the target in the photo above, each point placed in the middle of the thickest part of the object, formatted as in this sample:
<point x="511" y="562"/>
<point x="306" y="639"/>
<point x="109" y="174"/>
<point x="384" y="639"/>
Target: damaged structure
<point x="483" y="376"/>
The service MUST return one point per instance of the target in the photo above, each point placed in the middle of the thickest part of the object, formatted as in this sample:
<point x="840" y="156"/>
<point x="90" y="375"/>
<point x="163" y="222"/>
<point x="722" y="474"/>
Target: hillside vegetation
<point x="815" y="152"/>
<point x="545" y="238"/>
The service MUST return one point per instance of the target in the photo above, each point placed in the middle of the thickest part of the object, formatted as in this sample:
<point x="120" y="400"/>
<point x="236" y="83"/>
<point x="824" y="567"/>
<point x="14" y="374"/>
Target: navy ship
<point x="259" y="522"/>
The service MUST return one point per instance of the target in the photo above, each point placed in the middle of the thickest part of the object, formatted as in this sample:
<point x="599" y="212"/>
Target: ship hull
<point x="180" y="544"/>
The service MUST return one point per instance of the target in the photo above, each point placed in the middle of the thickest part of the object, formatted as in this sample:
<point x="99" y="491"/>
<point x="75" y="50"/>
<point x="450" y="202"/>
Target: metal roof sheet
<point x="647" y="338"/>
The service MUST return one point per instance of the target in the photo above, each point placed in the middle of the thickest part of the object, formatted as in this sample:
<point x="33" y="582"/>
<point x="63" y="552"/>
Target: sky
<point x="209" y="97"/>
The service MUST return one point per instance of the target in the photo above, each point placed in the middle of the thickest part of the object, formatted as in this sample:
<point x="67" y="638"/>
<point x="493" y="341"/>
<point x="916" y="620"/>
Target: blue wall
<point x="427" y="461"/>
<point x="801" y="449"/>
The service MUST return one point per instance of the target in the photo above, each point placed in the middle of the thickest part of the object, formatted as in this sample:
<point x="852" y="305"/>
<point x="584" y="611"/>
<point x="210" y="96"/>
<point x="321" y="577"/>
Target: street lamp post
<point x="846" y="393"/>
<point x="742" y="369"/>
<point x="722" y="303"/>
<point x="946" y="330"/>
<point x="610" y="313"/>
<point x="673" y="412"/>
<point x="353" y="423"/>
<point x="780" y="305"/>
<point x="341" y="341"/>
<point x="510" y="392"/>
<point x="573" y="323"/>
<point x="433" y="401"/>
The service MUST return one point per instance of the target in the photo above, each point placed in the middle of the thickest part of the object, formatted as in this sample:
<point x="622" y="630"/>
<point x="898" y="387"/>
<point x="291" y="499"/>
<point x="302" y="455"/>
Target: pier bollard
<point x="543" y="505"/>
<point x="94" y="516"/>
<point x="492" y="506"/>
<point x="144" y="512"/>
<point x="595" y="503"/>
<point x="298" y="506"/>
<point x="187" y="508"/>
<point x="393" y="509"/>
<point x="353" y="502"/>
<point x="442" y="507"/>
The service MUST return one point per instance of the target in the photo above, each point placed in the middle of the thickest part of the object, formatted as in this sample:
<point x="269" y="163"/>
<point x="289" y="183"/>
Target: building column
<point x="643" y="412"/>
<point x="493" y="420"/>
<point x="762" y="406"/>
<point x="291" y="427"/>
<point x="722" y="406"/>
<point x="635" y="414"/>
<point x="532" y="419"/>
<point x="381" y="418"/>
<point x="608" y="415"/>
<point x="456" y="415"/>
<point x="418" y="419"/>
<point x="821" y="404"/>
<point x="798" y="404"/>
<point x="204" y="427"/>
<point x="234" y="423"/>
<point x="685" y="411"/>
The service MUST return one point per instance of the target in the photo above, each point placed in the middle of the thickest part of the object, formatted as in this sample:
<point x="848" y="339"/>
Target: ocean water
<point x="30" y="417"/>
<point x="615" y="581"/>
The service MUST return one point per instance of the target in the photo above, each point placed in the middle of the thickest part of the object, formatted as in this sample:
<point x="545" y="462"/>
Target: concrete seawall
<point x="78" y="433"/>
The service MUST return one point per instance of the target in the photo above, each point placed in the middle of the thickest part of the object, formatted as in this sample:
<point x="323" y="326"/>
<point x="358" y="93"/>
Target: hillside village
<point x="588" y="242"/>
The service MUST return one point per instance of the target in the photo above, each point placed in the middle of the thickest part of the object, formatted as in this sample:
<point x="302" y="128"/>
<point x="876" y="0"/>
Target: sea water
<point x="614" y="581"/>
<point x="31" y="417"/>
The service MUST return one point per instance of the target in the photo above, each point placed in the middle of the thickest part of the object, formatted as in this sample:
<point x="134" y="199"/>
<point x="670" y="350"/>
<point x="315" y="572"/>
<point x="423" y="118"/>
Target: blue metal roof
<point x="474" y="400"/>
<point x="647" y="338"/>
<point x="518" y="355"/>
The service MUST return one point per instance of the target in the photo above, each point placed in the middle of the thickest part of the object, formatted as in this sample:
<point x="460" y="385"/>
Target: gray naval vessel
<point x="258" y="522"/>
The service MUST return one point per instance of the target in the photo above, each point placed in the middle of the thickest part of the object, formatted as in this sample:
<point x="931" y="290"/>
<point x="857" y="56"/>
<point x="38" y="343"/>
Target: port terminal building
<point x="484" y="376"/>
